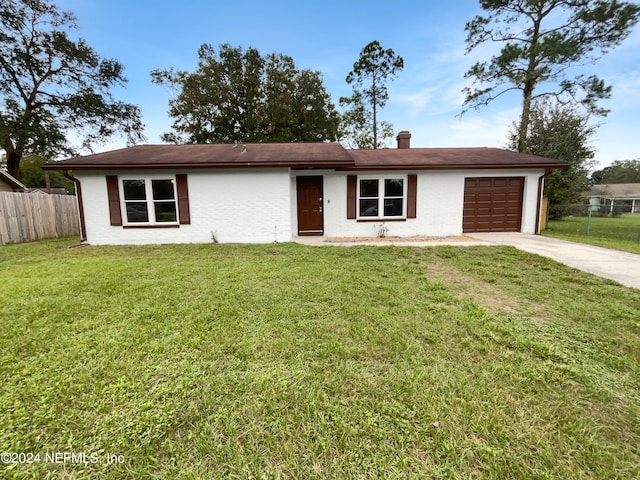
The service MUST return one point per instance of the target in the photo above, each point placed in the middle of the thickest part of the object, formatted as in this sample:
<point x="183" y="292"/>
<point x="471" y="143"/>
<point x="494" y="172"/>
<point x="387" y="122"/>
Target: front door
<point x="310" y="218"/>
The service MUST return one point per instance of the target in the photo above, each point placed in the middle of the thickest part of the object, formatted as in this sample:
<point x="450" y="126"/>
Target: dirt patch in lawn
<point x="482" y="292"/>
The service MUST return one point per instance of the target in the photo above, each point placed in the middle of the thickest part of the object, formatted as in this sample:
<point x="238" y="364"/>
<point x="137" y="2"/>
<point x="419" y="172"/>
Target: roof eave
<point x="339" y="166"/>
<point x="12" y="181"/>
<point x="189" y="166"/>
<point x="454" y="167"/>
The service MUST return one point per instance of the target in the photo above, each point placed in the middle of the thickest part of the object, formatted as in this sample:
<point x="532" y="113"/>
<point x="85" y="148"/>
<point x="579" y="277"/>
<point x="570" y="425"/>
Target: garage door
<point x="492" y="204"/>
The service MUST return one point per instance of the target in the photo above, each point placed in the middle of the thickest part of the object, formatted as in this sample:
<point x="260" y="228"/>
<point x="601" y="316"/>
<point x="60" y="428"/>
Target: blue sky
<point x="327" y="35"/>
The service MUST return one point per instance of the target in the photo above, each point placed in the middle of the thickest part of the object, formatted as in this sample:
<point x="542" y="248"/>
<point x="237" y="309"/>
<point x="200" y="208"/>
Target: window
<point x="149" y="200"/>
<point x="381" y="197"/>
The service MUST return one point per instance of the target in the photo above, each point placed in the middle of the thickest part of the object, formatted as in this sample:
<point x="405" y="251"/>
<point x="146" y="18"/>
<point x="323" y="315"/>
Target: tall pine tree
<point x="541" y="40"/>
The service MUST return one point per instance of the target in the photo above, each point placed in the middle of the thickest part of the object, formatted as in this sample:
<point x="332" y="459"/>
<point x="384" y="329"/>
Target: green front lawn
<point x="288" y="361"/>
<point x="620" y="233"/>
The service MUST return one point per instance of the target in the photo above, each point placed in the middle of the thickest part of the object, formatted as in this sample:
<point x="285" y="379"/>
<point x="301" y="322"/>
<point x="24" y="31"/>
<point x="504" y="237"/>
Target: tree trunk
<point x="375" y="125"/>
<point x="529" y="85"/>
<point x="13" y="163"/>
<point x="523" y="129"/>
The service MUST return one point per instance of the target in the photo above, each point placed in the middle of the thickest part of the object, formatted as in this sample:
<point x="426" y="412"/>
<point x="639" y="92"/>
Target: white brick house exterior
<point x="274" y="192"/>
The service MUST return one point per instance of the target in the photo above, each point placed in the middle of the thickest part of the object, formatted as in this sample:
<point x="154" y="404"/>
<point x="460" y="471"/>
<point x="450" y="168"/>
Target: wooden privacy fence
<point x="25" y="217"/>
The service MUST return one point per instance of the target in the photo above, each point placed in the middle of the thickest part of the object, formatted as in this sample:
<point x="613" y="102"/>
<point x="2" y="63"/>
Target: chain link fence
<point x="619" y="221"/>
<point x="556" y="212"/>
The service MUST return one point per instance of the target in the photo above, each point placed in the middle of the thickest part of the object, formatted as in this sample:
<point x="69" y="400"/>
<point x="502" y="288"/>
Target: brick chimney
<point x="404" y="139"/>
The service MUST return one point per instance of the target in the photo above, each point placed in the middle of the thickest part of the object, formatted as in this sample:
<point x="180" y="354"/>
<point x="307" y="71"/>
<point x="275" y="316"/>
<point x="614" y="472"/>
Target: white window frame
<point x="149" y="199"/>
<point x="381" y="178"/>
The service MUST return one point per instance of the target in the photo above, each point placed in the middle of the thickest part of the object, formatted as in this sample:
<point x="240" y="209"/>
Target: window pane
<point x="134" y="190"/>
<point x="165" y="211"/>
<point x="393" y="207"/>
<point x="393" y="187"/>
<point x="162" y="189"/>
<point x="369" y="208"/>
<point x="368" y="188"/>
<point x="137" y="212"/>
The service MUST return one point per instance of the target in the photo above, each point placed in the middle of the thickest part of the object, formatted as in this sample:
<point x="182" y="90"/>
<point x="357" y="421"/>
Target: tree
<point x="356" y="125"/>
<point x="620" y="171"/>
<point x="370" y="73"/>
<point x="34" y="177"/>
<point x="541" y="41"/>
<point x="559" y="132"/>
<point x="51" y="85"/>
<point x="237" y="95"/>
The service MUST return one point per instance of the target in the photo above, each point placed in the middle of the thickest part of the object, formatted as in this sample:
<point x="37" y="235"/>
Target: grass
<point x="287" y="361"/>
<point x="620" y="233"/>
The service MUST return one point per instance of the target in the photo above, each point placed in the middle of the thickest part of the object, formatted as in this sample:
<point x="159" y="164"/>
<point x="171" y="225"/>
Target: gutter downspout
<point x="83" y="228"/>
<point x="540" y="192"/>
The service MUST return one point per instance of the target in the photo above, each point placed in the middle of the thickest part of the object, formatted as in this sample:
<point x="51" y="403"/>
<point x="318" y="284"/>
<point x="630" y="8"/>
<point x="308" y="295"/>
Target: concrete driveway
<point x="620" y="266"/>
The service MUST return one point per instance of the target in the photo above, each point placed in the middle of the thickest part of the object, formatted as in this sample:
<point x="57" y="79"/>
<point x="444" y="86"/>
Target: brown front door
<point x="310" y="218"/>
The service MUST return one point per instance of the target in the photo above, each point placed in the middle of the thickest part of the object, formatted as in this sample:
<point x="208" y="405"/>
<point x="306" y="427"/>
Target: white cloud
<point x="625" y="91"/>
<point x="442" y="97"/>
<point x="447" y="130"/>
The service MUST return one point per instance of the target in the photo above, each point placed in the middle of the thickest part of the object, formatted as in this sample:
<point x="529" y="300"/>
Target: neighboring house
<point x="273" y="192"/>
<point x="8" y="183"/>
<point x="49" y="191"/>
<point x="616" y="194"/>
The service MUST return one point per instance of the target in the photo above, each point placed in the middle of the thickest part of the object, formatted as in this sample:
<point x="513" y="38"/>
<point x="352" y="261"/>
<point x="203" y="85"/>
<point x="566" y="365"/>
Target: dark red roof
<point x="448" y="158"/>
<point x="319" y="155"/>
<point x="301" y="155"/>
